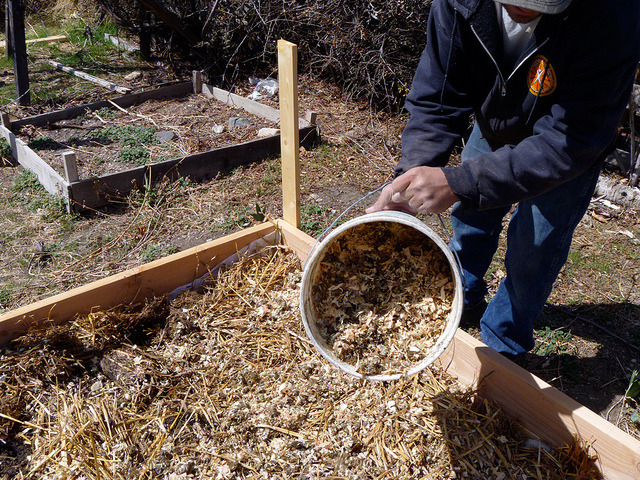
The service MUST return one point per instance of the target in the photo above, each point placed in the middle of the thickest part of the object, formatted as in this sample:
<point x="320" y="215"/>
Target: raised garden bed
<point x="541" y="409"/>
<point x="96" y="153"/>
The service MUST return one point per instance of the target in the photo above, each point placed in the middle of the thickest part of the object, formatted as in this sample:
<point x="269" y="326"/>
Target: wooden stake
<point x="312" y="117"/>
<point x="70" y="166"/>
<point x="289" y="136"/>
<point x="197" y="81"/>
<point x="19" y="52"/>
<point x="6" y="121"/>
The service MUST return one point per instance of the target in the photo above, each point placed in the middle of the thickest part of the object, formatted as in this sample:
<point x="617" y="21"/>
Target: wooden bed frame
<point x="542" y="409"/>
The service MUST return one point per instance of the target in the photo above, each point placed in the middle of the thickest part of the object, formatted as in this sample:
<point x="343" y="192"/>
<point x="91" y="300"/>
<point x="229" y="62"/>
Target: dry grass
<point x="223" y="384"/>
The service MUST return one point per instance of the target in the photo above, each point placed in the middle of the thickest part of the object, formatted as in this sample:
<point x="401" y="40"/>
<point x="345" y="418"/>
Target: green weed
<point x="5" y="297"/>
<point x="579" y="260"/>
<point x="137" y="155"/>
<point x="41" y="143"/>
<point x="107" y="113"/>
<point x="27" y="182"/>
<point x="632" y="396"/>
<point x="171" y="249"/>
<point x="552" y="342"/>
<point x="238" y="218"/>
<point x="271" y="180"/>
<point x="131" y="135"/>
<point x="29" y="192"/>
<point x="576" y="300"/>
<point x="327" y="152"/>
<point x="151" y="253"/>
<point x="260" y="214"/>
<point x="314" y="219"/>
<point x="5" y="150"/>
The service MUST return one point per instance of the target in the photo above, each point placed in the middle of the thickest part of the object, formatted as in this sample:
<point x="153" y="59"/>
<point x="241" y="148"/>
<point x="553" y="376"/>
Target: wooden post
<point x="289" y="134"/>
<point x="312" y="117"/>
<point x="144" y="17"/>
<point x="70" y="166"/>
<point x="197" y="81"/>
<point x="19" y="51"/>
<point x="6" y="121"/>
<point x="7" y="30"/>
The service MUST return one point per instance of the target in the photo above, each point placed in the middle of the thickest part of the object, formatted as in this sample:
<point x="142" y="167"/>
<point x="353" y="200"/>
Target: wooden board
<point x="100" y="191"/>
<point x="51" y="39"/>
<point x="121" y="43"/>
<point x="540" y="408"/>
<point x="124" y="101"/>
<point x="246" y="104"/>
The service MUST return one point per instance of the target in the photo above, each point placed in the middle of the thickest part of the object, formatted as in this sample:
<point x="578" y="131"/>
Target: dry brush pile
<point x="368" y="48"/>
<point x="223" y="384"/>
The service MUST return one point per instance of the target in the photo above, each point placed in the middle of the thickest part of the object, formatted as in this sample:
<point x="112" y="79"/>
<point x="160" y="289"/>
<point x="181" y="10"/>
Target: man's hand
<point x="421" y="189"/>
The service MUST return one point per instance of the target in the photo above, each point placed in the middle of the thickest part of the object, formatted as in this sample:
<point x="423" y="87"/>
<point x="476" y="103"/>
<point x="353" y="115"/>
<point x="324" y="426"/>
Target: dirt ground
<point x="588" y="337"/>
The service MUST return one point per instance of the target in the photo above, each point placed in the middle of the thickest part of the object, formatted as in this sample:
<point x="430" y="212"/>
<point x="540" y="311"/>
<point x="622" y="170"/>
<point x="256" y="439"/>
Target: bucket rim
<point x="308" y="276"/>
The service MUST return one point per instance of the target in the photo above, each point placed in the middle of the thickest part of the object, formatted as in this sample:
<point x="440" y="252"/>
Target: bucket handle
<point x="354" y="204"/>
<point x="328" y="229"/>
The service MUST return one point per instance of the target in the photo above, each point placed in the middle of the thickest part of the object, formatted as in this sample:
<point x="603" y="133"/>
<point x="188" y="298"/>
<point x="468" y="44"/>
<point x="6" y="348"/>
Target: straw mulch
<point x="223" y="384"/>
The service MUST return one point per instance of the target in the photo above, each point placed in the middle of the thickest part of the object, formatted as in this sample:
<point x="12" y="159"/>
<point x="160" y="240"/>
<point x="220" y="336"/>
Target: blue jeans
<point x="538" y="240"/>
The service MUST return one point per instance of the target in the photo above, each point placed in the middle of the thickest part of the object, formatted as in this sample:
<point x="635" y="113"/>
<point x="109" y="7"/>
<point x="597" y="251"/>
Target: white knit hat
<point x="544" y="6"/>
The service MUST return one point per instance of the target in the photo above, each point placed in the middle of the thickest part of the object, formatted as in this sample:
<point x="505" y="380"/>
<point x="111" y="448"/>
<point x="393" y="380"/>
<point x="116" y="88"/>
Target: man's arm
<point x="602" y="54"/>
<point x="438" y="105"/>
<point x="421" y="189"/>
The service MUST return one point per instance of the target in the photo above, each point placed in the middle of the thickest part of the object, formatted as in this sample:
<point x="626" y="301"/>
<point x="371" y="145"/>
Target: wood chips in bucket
<point x="382" y="297"/>
<point x="223" y="384"/>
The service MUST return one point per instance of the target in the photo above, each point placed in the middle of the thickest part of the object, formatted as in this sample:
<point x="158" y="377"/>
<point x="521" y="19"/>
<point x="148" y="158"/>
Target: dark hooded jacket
<point x="547" y="119"/>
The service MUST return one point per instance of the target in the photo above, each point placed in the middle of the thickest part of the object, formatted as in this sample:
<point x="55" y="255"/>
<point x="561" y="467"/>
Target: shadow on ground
<point x="588" y="352"/>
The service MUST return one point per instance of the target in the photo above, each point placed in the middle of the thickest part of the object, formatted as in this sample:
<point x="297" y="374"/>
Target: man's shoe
<point x="519" y="360"/>
<point x="471" y="315"/>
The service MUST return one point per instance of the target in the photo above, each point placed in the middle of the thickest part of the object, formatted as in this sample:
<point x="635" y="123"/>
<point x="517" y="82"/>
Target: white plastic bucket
<point x="309" y="277"/>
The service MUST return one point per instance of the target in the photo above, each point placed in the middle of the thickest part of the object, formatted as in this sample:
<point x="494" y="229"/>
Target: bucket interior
<point x="317" y="328"/>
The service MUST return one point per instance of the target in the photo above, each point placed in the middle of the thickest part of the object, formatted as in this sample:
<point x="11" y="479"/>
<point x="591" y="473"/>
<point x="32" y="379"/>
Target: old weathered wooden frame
<point x="92" y="193"/>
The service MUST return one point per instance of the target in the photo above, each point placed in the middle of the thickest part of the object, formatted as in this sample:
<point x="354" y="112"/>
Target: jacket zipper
<point x="503" y="82"/>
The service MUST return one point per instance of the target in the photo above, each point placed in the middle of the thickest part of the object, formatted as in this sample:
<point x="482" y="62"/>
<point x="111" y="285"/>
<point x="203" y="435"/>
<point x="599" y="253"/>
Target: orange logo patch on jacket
<point x="542" y="77"/>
